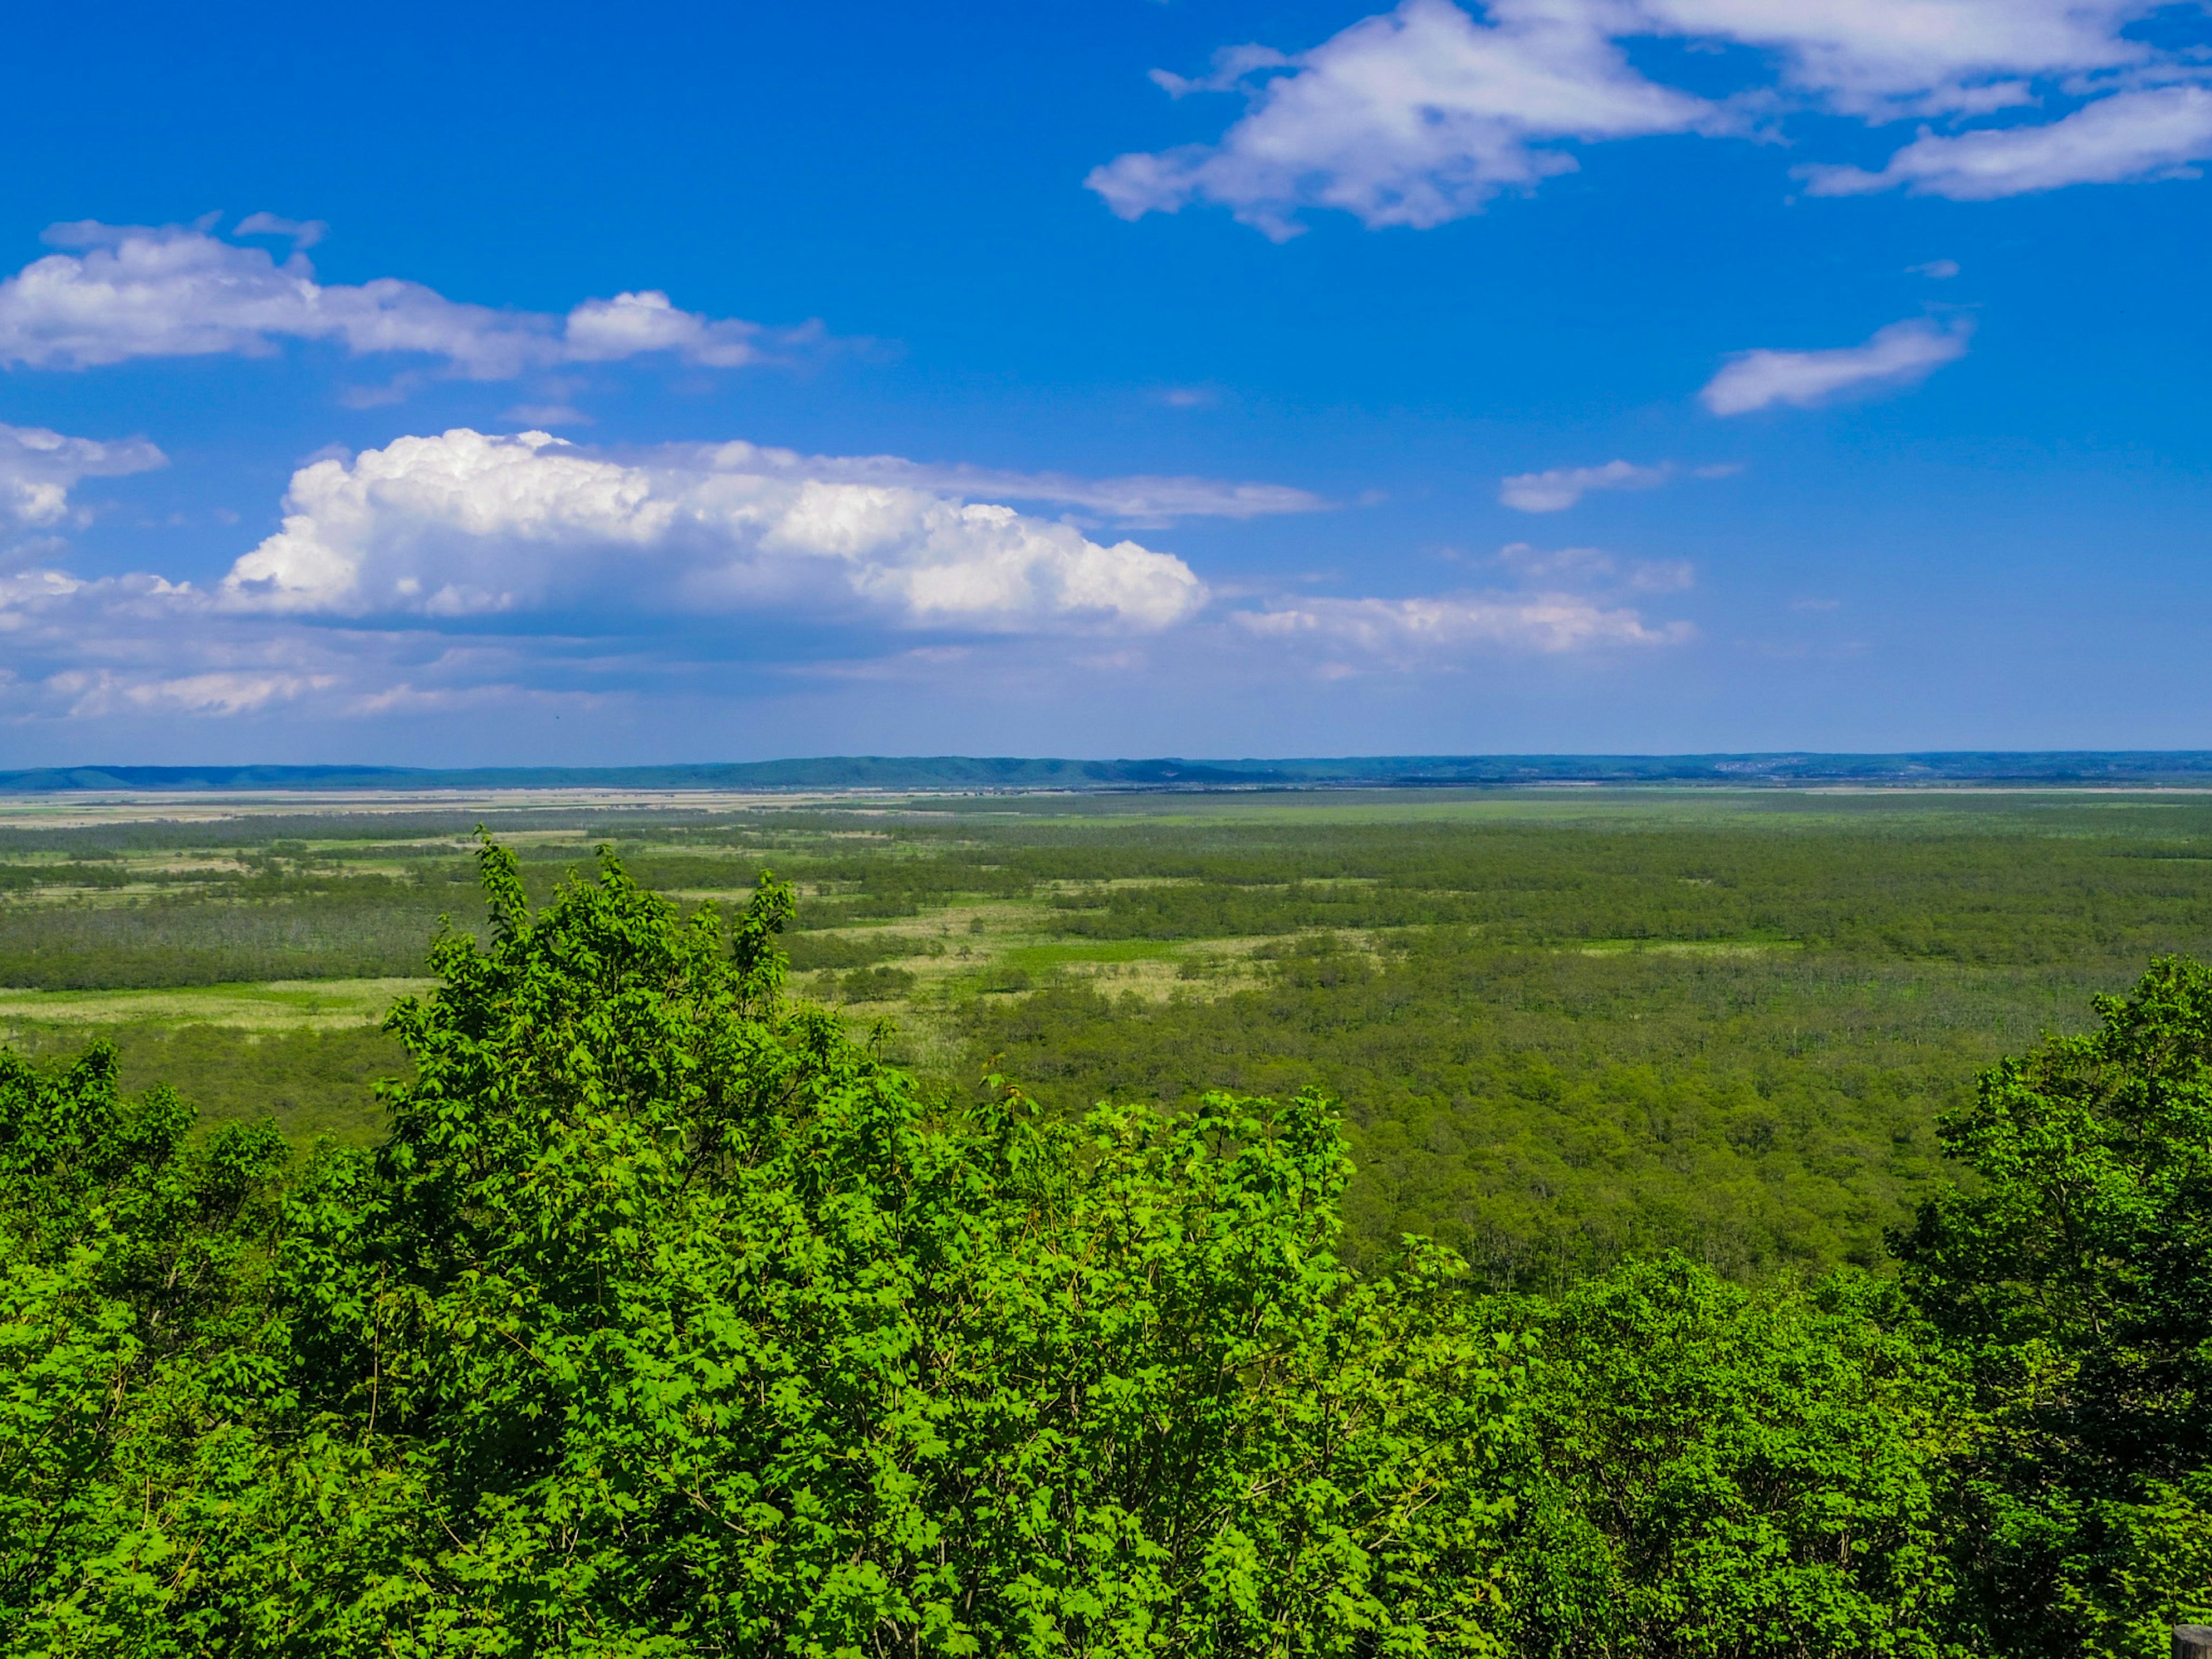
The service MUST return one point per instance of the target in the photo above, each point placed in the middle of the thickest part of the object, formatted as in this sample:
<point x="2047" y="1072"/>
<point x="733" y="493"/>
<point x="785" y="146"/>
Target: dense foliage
<point x="667" y="1319"/>
<point x="2076" y="1284"/>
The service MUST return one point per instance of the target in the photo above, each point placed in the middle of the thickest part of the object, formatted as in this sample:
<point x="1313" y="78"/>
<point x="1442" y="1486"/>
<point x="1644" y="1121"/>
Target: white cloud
<point x="302" y="232"/>
<point x="39" y="468"/>
<point x="1590" y="566"/>
<point x="1901" y="355"/>
<point x="108" y="692"/>
<point x="544" y="414"/>
<point x="1144" y="498"/>
<point x="1422" y="114"/>
<point x="1561" y="601"/>
<point x="1404" y="632"/>
<point x="1938" y="271"/>
<point x="1883" y="57"/>
<point x="632" y="325"/>
<point x="464" y="525"/>
<point x="2156" y="134"/>
<point x="1413" y="117"/>
<point x="1561" y="487"/>
<point x="467" y="572"/>
<point x="132" y="292"/>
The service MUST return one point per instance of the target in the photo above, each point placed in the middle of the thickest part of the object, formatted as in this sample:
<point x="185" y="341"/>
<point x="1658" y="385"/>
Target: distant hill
<point x="964" y="772"/>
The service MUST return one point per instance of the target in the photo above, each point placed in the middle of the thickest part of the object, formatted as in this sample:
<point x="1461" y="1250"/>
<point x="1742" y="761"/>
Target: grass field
<point x="1565" y="1023"/>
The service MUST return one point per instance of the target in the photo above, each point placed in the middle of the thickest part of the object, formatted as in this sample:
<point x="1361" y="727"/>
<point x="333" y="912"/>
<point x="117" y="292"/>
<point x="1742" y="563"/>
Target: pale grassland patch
<point x="275" y="1005"/>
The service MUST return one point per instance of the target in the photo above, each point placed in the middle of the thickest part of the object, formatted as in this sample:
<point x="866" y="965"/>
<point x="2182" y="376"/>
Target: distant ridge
<point x="962" y="773"/>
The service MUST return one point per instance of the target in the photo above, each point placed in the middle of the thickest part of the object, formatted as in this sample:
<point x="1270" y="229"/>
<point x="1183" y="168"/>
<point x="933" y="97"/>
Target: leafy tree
<point x="2075" y="1280"/>
<point x="667" y="1321"/>
<point x="1733" y="1472"/>
<point x="130" y="1312"/>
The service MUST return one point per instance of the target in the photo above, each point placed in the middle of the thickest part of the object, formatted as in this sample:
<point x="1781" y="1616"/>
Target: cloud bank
<point x="464" y="570"/>
<point x="130" y="292"/>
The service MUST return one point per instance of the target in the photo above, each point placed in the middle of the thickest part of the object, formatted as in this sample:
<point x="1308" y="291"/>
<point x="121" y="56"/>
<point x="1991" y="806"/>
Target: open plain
<point x="1565" y="1025"/>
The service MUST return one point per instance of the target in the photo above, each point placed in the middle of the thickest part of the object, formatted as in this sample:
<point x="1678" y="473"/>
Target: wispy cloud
<point x="1901" y="355"/>
<point x="2160" y="133"/>
<point x="302" y="234"/>
<point x="1879" y="60"/>
<point x="1588" y="568"/>
<point x="1552" y="602"/>
<point x="1141" y="498"/>
<point x="1409" y="632"/>
<point x="126" y="292"/>
<point x="1560" y="488"/>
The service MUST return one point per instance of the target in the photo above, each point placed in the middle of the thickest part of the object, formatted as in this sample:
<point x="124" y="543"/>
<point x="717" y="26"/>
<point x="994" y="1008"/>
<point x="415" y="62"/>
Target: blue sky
<point x="450" y="385"/>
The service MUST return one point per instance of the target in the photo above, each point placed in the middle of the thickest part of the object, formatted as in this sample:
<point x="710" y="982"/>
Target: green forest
<point x="1425" y="1222"/>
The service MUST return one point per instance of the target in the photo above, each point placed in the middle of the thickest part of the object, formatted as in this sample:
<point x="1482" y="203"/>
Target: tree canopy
<point x="668" y="1319"/>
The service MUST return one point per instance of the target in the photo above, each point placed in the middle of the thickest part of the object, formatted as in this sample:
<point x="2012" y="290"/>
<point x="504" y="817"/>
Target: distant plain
<point x="1566" y="1024"/>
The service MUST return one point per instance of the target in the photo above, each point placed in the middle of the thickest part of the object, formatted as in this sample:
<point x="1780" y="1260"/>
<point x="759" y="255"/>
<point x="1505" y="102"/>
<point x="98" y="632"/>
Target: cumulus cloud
<point x="1413" y="117"/>
<point x="1424" y="113"/>
<point x="39" y="468"/>
<point x="1901" y="355"/>
<point x="466" y="525"/>
<point x="2159" y="133"/>
<point x="466" y="572"/>
<point x="123" y="292"/>
<point x="1561" y="487"/>
<point x="470" y="571"/>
